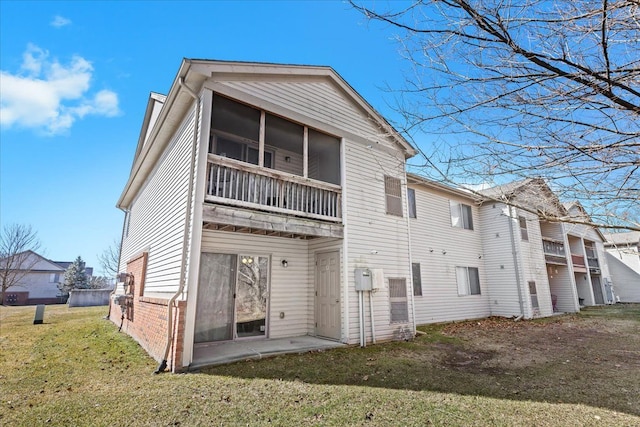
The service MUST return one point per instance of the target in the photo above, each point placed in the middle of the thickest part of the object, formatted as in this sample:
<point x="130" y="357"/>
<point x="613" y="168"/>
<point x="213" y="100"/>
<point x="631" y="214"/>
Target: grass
<point x="76" y="369"/>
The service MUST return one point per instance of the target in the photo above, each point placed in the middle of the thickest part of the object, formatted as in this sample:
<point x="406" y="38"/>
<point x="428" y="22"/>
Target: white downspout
<point x="515" y="260"/>
<point x="413" y="298"/>
<point x="363" y="339"/>
<point x="187" y="227"/>
<point x="373" y="323"/>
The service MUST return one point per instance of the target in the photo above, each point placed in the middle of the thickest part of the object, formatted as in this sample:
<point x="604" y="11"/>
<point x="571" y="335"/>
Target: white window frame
<point x="463" y="281"/>
<point x="524" y="233"/>
<point x="393" y="192"/>
<point x="411" y="201"/>
<point x="461" y="215"/>
<point x="397" y="298"/>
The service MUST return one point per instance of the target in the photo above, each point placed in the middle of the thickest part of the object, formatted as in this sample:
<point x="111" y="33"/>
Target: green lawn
<point x="77" y="369"/>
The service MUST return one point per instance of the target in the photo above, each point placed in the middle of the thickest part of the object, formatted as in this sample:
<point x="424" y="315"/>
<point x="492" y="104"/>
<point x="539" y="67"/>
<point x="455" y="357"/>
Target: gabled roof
<point x="34" y="262"/>
<point x="531" y="193"/>
<point x="193" y="73"/>
<point x="571" y="207"/>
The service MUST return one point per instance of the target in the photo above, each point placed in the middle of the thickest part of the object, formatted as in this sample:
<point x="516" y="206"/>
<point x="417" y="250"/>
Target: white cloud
<point x="50" y="96"/>
<point x="60" y="21"/>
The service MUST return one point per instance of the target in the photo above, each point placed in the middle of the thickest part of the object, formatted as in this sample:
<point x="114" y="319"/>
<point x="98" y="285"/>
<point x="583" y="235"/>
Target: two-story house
<point x="256" y="191"/>
<point x="35" y="279"/>
<point x="269" y="203"/>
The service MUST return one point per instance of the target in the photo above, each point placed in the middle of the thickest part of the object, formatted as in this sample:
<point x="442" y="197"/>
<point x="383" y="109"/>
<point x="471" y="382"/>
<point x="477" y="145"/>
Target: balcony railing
<point x="246" y="185"/>
<point x="578" y="261"/>
<point x="553" y="247"/>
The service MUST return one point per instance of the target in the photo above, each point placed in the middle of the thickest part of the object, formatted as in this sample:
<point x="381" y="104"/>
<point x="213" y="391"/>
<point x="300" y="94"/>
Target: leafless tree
<point x="17" y="242"/>
<point x="110" y="259"/>
<point x="498" y="91"/>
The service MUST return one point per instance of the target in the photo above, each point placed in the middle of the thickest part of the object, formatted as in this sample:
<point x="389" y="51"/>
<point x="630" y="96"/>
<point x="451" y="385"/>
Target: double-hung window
<point x="524" y="234"/>
<point x="468" y="281"/>
<point x="461" y="215"/>
<point x="393" y="195"/>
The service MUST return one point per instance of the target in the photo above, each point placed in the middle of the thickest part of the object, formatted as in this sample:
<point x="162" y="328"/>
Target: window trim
<point x="393" y="192"/>
<point x="464" y="215"/>
<point x="416" y="275"/>
<point x="399" y="285"/>
<point x="468" y="286"/>
<point x="411" y="202"/>
<point x="524" y="232"/>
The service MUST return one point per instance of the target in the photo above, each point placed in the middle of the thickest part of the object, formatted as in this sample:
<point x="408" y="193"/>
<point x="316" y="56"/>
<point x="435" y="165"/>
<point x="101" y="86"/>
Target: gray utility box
<point x="364" y="279"/>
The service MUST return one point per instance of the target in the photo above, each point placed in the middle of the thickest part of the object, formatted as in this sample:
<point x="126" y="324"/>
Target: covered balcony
<point x="554" y="252"/>
<point x="579" y="264"/>
<point x="269" y="175"/>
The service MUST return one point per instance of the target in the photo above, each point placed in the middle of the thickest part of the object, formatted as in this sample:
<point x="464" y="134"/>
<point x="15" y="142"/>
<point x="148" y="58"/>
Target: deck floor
<point x="232" y="351"/>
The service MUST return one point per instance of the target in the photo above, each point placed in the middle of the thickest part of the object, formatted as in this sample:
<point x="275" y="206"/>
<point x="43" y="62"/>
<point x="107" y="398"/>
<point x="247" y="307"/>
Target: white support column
<point x="305" y="153"/>
<point x="261" y="140"/>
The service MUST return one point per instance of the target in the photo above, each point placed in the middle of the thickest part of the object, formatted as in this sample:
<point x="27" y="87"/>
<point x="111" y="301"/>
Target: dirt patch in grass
<point x="582" y="359"/>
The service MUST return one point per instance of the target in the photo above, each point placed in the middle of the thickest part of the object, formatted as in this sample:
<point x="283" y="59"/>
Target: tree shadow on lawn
<point x="546" y="362"/>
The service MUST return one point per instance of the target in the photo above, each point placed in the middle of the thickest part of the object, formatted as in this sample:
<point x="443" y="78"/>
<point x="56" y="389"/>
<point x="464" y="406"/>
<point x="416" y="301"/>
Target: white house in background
<point x="257" y="193"/>
<point x="623" y="257"/>
<point x="38" y="282"/>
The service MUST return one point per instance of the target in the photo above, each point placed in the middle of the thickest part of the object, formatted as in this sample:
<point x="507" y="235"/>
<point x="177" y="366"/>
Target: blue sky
<point x="76" y="77"/>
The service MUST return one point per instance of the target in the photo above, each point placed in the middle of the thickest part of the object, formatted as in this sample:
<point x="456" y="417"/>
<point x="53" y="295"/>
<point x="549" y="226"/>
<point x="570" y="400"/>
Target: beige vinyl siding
<point x="498" y="259"/>
<point x="158" y="213"/>
<point x="440" y="248"/>
<point x="376" y="240"/>
<point x="534" y="266"/>
<point x="321" y="105"/>
<point x="290" y="289"/>
<point x="320" y="100"/>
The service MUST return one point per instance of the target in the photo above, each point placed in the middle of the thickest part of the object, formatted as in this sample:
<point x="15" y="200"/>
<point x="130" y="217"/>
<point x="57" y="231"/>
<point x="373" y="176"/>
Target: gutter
<point x="187" y="228"/>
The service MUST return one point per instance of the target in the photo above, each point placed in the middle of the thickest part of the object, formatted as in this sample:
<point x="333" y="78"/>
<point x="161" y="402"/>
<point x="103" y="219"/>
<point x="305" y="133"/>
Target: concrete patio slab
<point x="210" y="354"/>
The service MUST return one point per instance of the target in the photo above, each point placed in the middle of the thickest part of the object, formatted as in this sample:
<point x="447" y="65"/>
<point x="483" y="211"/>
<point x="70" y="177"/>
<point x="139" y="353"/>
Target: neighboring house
<point x="271" y="201"/>
<point x="39" y="280"/>
<point x="256" y="192"/>
<point x="623" y="257"/>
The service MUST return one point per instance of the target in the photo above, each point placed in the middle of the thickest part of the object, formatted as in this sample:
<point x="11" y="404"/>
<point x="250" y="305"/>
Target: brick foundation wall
<point x="146" y="318"/>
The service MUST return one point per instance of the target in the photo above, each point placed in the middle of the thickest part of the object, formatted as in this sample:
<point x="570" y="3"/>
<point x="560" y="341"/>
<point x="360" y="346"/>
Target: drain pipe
<point x="515" y="260"/>
<point x="187" y="226"/>
<point x="373" y="322"/>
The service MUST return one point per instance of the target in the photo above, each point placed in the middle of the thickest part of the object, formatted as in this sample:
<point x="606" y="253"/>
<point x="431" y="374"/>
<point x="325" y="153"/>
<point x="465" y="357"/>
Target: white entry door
<point x="328" y="295"/>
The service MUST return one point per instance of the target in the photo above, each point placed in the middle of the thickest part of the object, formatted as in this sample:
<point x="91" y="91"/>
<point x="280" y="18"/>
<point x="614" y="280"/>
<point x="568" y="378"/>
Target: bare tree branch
<point x="500" y="91"/>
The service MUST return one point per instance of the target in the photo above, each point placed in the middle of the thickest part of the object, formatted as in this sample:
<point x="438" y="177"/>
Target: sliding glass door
<point x="233" y="294"/>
